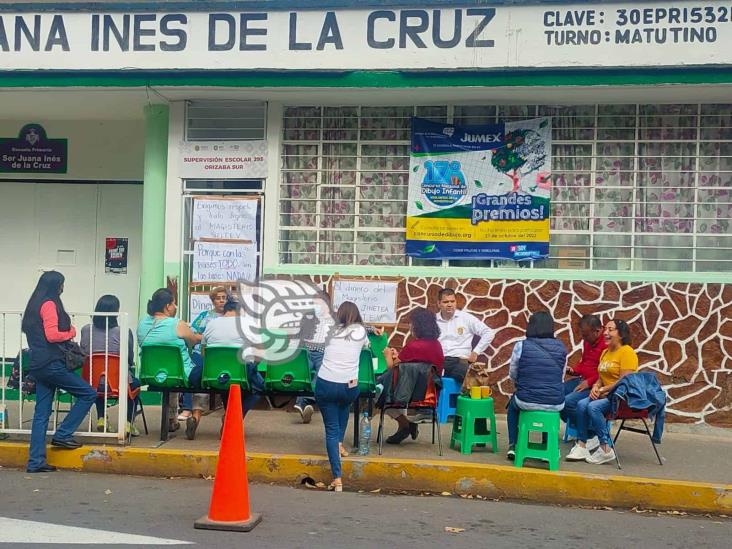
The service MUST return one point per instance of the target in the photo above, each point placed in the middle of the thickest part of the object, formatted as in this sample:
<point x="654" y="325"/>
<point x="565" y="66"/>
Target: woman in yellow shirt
<point x="617" y="361"/>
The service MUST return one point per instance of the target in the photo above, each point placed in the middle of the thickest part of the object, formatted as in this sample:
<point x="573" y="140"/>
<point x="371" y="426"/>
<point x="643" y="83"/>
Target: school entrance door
<point x="64" y="227"/>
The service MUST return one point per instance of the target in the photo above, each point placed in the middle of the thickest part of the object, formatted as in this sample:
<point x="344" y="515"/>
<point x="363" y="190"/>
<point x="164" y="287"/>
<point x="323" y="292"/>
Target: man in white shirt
<point x="457" y="329"/>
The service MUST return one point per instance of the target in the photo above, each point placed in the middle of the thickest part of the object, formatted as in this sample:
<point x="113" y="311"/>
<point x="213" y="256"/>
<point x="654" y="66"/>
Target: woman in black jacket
<point x="47" y="327"/>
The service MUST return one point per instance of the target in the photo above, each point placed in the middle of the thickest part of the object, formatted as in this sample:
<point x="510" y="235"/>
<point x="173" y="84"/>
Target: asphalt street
<point x="76" y="509"/>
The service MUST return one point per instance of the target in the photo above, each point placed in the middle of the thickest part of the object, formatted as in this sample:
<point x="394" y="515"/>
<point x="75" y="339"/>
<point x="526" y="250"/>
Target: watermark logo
<point x="278" y="317"/>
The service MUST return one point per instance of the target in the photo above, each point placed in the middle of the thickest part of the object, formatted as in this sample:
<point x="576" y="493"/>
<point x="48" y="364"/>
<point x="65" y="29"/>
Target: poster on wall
<point x="479" y="192"/>
<point x="223" y="159"/>
<point x="222" y="218"/>
<point x="33" y="152"/>
<point x="115" y="256"/>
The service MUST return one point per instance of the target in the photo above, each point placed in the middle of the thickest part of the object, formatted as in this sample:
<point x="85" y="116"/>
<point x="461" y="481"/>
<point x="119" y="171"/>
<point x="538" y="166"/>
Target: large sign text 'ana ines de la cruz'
<point x="582" y="35"/>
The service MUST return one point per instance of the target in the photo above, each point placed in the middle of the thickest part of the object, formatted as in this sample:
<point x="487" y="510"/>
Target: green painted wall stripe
<point x="153" y="201"/>
<point x="501" y="273"/>
<point x="366" y="79"/>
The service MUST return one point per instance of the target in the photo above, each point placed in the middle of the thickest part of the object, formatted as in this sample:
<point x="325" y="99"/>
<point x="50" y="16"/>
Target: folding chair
<point x="429" y="404"/>
<point x="624" y="413"/>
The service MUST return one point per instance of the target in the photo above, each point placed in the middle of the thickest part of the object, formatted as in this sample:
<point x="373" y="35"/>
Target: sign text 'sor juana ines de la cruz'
<point x="582" y="35"/>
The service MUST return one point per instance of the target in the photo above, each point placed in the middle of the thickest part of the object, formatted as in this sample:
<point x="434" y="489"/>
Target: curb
<point x="456" y="477"/>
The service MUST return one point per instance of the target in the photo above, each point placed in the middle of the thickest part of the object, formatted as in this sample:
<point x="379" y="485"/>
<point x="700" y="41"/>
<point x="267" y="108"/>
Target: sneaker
<point x="307" y="413"/>
<point x="191" y="426"/>
<point x="592" y="444"/>
<point x="601" y="456"/>
<point x="132" y="429"/>
<point x="300" y="411"/>
<point x="184" y="415"/>
<point x="511" y="454"/>
<point x="578" y="453"/>
<point x="414" y="430"/>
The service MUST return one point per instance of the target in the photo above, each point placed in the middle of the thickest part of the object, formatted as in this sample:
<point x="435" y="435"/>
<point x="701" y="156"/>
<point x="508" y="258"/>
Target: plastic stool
<point x="448" y="399"/>
<point x="541" y="422"/>
<point x="470" y="425"/>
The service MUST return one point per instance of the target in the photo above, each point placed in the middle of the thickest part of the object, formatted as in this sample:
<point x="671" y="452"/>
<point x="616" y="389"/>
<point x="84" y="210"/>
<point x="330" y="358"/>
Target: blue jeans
<point x="334" y="401"/>
<point x="197" y="359"/>
<point x="256" y="384"/>
<point x="49" y="378"/>
<point x="591" y="417"/>
<point x="315" y="358"/>
<point x="571" y="398"/>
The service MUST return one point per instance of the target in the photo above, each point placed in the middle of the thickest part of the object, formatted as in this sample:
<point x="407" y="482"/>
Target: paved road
<point x="106" y="508"/>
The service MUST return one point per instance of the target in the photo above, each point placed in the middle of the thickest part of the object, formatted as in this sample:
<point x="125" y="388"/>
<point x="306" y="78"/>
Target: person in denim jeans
<point x="47" y="327"/>
<point x="617" y="361"/>
<point x="337" y="384"/>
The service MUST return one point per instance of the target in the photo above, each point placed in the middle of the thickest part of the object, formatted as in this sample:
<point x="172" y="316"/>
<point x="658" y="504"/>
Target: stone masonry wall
<point x="681" y="331"/>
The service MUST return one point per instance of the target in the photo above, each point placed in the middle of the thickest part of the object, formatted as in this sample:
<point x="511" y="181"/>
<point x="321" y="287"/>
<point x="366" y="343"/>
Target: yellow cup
<point x="475" y="392"/>
<point x="485" y="391"/>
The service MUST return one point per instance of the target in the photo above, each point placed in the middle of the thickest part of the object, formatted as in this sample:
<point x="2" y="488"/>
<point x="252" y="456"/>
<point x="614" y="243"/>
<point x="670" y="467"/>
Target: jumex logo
<point x="481" y="138"/>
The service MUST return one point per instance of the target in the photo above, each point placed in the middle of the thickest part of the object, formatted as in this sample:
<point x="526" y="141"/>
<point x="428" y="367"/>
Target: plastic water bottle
<point x="364" y="438"/>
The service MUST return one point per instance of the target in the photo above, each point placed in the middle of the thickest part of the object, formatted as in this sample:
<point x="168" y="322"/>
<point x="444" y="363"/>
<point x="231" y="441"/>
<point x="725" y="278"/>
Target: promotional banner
<point x="479" y="192"/>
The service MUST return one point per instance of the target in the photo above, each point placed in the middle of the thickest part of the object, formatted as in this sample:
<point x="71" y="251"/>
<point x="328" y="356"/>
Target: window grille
<point x="635" y="187"/>
<point x="225" y="120"/>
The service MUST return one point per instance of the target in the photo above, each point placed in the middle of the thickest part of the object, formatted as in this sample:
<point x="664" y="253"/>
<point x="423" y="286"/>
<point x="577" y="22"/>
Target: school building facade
<point x="101" y="106"/>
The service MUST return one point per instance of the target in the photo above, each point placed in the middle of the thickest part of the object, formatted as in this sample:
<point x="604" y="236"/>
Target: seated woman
<point x="425" y="347"/>
<point x="617" y="361"/>
<point x="536" y="369"/>
<point x="102" y="337"/>
<point x="161" y="327"/>
<point x="224" y="331"/>
<point x="218" y="297"/>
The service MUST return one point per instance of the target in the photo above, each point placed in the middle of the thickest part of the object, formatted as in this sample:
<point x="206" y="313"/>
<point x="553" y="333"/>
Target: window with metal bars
<point x="635" y="187"/>
<point x="225" y="120"/>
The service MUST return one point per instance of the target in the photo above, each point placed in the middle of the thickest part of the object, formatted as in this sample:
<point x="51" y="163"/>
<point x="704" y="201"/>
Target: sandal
<point x="335" y="486"/>
<point x="342" y="451"/>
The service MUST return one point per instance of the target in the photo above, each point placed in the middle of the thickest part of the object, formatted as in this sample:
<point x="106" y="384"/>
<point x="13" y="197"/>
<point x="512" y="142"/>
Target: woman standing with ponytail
<point x="47" y="326"/>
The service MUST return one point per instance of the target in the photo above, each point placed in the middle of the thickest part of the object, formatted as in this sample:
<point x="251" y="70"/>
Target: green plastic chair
<point x="378" y="344"/>
<point x="289" y="377"/>
<point x="222" y="368"/>
<point x="162" y="366"/>
<point x="540" y="422"/>
<point x="366" y="374"/>
<point x="474" y="423"/>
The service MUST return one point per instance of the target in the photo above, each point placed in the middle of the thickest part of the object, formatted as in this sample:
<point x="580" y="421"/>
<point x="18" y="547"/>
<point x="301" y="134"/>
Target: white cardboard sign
<point x="225" y="219"/>
<point x="224" y="262"/>
<point x="376" y="299"/>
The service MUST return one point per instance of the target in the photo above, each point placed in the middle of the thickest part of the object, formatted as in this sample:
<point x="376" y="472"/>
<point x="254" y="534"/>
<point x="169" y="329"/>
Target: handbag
<point x="478" y="375"/>
<point x="74" y="355"/>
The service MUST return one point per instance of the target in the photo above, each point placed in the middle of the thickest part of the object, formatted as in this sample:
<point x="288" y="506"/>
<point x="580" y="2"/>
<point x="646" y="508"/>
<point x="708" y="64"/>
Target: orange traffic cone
<point x="229" y="509"/>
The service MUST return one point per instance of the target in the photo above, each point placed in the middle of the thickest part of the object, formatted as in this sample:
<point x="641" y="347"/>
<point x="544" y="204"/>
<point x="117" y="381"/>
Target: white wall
<point x="98" y="149"/>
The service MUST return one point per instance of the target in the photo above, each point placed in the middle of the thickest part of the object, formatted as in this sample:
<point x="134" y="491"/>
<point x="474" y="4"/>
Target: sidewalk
<point x="695" y="477"/>
<point x="689" y="452"/>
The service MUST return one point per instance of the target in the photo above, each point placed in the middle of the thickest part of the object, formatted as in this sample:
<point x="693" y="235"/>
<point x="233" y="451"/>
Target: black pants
<point x="456" y="368"/>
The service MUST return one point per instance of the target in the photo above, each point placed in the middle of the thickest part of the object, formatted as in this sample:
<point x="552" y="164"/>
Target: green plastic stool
<point x="541" y="422"/>
<point x="470" y="425"/>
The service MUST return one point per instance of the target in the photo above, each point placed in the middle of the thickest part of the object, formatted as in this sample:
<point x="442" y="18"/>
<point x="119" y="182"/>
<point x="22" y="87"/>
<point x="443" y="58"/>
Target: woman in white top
<point x="336" y="386"/>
